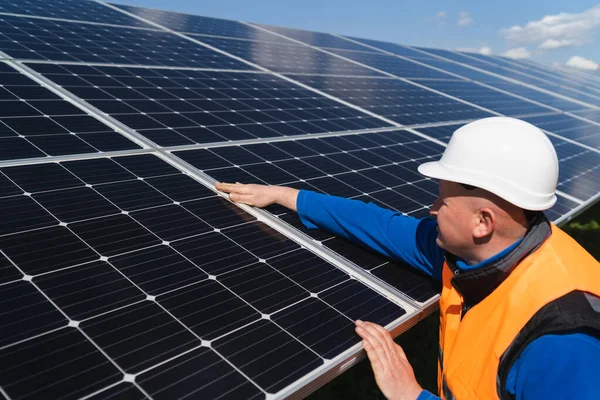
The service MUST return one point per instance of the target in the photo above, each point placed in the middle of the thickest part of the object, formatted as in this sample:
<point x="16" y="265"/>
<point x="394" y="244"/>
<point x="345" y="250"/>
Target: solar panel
<point x="41" y="39"/>
<point x="135" y="283"/>
<point x="201" y="25"/>
<point x="374" y="167"/>
<point x="393" y="65"/>
<point x="287" y="58"/>
<point x="178" y="107"/>
<point x="485" y="97"/>
<point x="69" y="9"/>
<point x="144" y="283"/>
<point x="35" y="122"/>
<point x="394" y="99"/>
<point x="317" y="39"/>
<point x="520" y="76"/>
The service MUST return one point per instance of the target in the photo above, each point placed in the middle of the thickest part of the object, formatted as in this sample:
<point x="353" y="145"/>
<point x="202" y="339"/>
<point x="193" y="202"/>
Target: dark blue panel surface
<point x="376" y="167"/>
<point x="201" y="25"/>
<point x="115" y="250"/>
<point x="393" y="48"/>
<point x="284" y="58"/>
<point x="393" y="65"/>
<point x="29" y="38"/>
<point x="394" y="99"/>
<point x="569" y="127"/>
<point x="530" y="77"/>
<point x="34" y="122"/>
<point x="80" y="10"/>
<point x="175" y="107"/>
<point x="317" y="39"/>
<point x="485" y="97"/>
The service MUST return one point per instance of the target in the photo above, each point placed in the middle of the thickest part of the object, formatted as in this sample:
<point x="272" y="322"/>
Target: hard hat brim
<point x="437" y="170"/>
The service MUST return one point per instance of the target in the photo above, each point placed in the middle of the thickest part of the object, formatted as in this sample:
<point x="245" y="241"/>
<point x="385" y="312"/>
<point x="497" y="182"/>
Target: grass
<point x="421" y="342"/>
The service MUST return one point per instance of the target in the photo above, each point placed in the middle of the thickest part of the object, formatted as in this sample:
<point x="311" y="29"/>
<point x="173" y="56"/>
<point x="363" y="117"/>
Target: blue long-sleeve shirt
<point x="563" y="366"/>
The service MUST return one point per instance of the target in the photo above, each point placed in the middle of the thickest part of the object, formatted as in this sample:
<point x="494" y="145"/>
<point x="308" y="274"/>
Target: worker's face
<point x="454" y="213"/>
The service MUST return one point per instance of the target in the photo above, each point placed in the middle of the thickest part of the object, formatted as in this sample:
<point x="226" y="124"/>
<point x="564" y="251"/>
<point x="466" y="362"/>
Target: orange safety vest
<point x="472" y="344"/>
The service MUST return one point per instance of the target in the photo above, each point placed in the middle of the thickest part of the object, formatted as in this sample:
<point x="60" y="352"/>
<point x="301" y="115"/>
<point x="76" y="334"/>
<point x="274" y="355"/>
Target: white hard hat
<point x="505" y="156"/>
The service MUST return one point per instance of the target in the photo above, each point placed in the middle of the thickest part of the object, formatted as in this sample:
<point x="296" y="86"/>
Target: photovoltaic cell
<point x="569" y="127"/>
<point x="201" y="25"/>
<point x="393" y="65"/>
<point x="124" y="279"/>
<point x="520" y="76"/>
<point x="405" y="51"/>
<point x="132" y="267"/>
<point x="287" y="58"/>
<point x="485" y="97"/>
<point x="40" y="39"/>
<point x="316" y="39"/>
<point x="34" y="122"/>
<point x="88" y="11"/>
<point x="394" y="99"/>
<point x="378" y="168"/>
<point x="176" y="107"/>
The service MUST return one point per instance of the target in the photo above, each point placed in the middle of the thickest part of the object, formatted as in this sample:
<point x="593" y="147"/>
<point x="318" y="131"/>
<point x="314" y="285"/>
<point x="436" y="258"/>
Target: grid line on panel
<point x="443" y="54"/>
<point x="36" y="121"/>
<point x="75" y="21"/>
<point x="136" y="304"/>
<point x="26" y="38"/>
<point x="72" y="9"/>
<point x="500" y="65"/>
<point x="179" y="107"/>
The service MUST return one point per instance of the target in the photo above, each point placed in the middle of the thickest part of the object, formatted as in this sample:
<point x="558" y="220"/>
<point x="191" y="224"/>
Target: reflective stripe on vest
<point x="472" y="347"/>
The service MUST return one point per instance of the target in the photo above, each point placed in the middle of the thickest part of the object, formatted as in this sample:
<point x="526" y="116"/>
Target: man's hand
<point x="259" y="195"/>
<point x="393" y="373"/>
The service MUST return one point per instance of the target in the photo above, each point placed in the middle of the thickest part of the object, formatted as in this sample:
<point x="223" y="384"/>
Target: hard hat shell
<point x="508" y="157"/>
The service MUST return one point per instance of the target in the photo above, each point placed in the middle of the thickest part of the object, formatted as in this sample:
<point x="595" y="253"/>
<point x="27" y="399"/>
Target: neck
<point x="487" y="250"/>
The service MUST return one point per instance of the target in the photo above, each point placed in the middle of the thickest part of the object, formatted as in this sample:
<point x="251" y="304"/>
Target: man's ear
<point x="485" y="223"/>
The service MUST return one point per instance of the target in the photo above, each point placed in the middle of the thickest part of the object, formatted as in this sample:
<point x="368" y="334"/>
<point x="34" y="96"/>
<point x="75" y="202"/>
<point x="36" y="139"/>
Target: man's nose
<point x="435" y="207"/>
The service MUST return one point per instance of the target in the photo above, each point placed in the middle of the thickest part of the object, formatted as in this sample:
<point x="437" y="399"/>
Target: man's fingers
<point x="241" y="198"/>
<point x="371" y="335"/>
<point x="380" y="335"/>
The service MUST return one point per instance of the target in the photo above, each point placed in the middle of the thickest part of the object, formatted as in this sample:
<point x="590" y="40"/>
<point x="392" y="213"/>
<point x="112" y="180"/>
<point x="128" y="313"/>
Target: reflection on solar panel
<point x="33" y="38"/>
<point x="69" y="9"/>
<point x="488" y="98"/>
<point x="394" y="99"/>
<point x="287" y="58"/>
<point x="143" y="282"/>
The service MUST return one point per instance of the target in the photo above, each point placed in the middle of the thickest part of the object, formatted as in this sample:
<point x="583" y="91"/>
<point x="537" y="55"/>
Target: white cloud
<point x="439" y="17"/>
<point x="518" y="52"/>
<point x="557" y="31"/>
<point x="464" y="19"/>
<point x="482" y="50"/>
<point x="582" y="63"/>
<point x="553" y="44"/>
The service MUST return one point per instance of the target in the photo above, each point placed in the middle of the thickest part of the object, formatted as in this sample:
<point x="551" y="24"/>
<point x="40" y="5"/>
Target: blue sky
<point x="549" y="31"/>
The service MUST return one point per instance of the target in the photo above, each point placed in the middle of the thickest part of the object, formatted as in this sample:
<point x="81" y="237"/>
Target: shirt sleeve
<point x="388" y="232"/>
<point x="562" y="366"/>
<point x="426" y="395"/>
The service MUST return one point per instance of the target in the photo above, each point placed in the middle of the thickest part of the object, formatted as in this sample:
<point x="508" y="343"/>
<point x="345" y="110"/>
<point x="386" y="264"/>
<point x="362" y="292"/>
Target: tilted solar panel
<point x="140" y="277"/>
<point x="123" y="275"/>
<point x="178" y="107"/>
<point x="35" y="122"/>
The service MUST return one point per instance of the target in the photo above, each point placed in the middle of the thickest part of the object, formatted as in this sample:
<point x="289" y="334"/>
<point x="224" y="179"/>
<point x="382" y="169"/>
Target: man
<point x="520" y="301"/>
